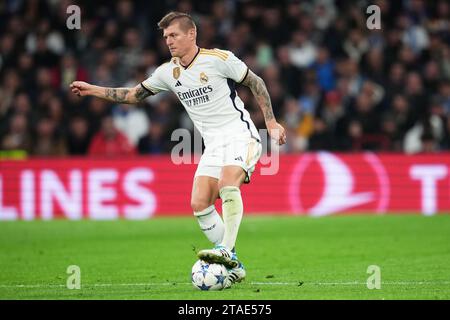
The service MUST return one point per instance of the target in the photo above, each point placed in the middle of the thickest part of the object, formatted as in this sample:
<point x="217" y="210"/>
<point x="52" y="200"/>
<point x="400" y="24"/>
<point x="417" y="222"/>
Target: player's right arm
<point x="119" y="95"/>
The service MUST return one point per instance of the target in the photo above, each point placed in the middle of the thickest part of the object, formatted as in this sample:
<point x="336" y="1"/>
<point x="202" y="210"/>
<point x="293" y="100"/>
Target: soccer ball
<point x="207" y="276"/>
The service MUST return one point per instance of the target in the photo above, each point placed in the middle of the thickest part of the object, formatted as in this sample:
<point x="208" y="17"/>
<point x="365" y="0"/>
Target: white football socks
<point x="232" y="211"/>
<point x="211" y="224"/>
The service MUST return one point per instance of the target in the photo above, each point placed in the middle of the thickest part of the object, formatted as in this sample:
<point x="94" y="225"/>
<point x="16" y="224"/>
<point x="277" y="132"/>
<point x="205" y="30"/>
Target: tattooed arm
<point x="120" y="95"/>
<point x="259" y="90"/>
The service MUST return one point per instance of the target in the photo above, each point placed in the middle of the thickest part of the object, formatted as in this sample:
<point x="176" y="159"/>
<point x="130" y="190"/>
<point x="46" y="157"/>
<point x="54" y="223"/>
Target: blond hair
<point x="185" y="20"/>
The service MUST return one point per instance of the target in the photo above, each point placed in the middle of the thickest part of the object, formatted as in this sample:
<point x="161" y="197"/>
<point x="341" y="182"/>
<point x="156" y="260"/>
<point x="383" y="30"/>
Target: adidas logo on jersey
<point x="178" y="84"/>
<point x="239" y="158"/>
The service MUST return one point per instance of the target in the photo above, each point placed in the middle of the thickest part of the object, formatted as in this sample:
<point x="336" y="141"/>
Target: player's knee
<point x="228" y="183"/>
<point x="199" y="205"/>
<point x="230" y="193"/>
<point x="233" y="178"/>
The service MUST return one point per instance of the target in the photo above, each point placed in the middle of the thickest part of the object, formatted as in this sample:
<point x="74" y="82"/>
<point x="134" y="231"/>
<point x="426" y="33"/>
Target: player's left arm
<point x="259" y="90"/>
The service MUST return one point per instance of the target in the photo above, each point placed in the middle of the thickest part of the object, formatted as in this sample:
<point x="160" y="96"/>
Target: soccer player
<point x="204" y="82"/>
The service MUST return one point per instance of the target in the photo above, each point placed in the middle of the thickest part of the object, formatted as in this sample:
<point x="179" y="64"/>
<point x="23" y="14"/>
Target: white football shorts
<point x="240" y="151"/>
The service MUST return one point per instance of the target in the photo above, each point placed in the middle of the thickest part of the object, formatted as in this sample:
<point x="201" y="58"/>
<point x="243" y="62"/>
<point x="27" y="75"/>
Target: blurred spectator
<point x="324" y="13"/>
<point x="445" y="142"/>
<point x="397" y="121"/>
<point x="109" y="141"/>
<point x="291" y="74"/>
<point x="396" y="79"/>
<point x="415" y="35"/>
<point x="332" y="111"/>
<point x="78" y="138"/>
<point x="302" y="52"/>
<point x="311" y="97"/>
<point x="444" y="94"/>
<point x="54" y="110"/>
<point x="432" y="76"/>
<point x="7" y="50"/>
<point x="391" y="134"/>
<point x="45" y="38"/>
<point x="365" y="114"/>
<point x="350" y="71"/>
<point x="322" y="138"/>
<point x="9" y="85"/>
<point x="417" y="96"/>
<point x="429" y="143"/>
<point x="356" y="45"/>
<point x="125" y="14"/>
<point x="131" y="121"/>
<point x="131" y="52"/>
<point x="17" y="137"/>
<point x="374" y="91"/>
<point x="22" y="105"/>
<point x="162" y="111"/>
<point x="154" y="141"/>
<point x="373" y="66"/>
<point x="97" y="110"/>
<point x="273" y="30"/>
<point x="298" y="124"/>
<point x="222" y="17"/>
<point x="352" y="137"/>
<point x="334" y="37"/>
<point x="47" y="142"/>
<point x="67" y="72"/>
<point x="424" y="136"/>
<point x="440" y="21"/>
<point x="26" y="70"/>
<point x="42" y="54"/>
<point x="444" y="61"/>
<point x="324" y="68"/>
<point x="149" y="61"/>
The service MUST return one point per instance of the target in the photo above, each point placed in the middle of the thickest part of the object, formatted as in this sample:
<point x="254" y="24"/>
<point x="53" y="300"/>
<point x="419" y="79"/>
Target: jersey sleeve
<point x="232" y="67"/>
<point x="155" y="83"/>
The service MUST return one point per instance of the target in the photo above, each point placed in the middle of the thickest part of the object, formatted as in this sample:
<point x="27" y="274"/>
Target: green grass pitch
<point x="285" y="257"/>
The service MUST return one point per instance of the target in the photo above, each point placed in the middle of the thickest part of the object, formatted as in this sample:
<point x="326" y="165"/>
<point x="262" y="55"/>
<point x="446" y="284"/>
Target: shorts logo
<point x="203" y="78"/>
<point x="176" y="72"/>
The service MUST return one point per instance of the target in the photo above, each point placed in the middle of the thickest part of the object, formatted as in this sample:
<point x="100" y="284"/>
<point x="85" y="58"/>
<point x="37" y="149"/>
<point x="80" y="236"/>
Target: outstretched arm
<point x="259" y="90"/>
<point x="120" y="95"/>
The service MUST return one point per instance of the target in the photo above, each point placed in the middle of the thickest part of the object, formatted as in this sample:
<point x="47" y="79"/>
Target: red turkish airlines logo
<point x="323" y="183"/>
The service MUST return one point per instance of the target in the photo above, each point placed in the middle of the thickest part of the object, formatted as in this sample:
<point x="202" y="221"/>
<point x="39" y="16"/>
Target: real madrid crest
<point x="176" y="72"/>
<point x="203" y="78"/>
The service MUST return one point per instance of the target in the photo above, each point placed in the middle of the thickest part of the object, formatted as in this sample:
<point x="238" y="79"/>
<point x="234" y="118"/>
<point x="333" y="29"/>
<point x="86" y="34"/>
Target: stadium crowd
<point x="334" y="83"/>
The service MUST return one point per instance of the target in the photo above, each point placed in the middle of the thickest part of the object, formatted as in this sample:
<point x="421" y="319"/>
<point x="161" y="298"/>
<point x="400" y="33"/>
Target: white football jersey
<point x="206" y="88"/>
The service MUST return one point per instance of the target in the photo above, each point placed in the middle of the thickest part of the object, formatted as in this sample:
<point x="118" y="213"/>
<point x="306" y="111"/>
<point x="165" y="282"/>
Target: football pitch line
<point x="297" y="283"/>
